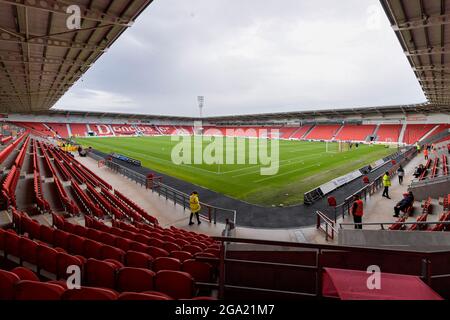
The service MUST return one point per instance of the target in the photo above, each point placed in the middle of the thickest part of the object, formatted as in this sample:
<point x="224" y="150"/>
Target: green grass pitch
<point x="302" y="167"/>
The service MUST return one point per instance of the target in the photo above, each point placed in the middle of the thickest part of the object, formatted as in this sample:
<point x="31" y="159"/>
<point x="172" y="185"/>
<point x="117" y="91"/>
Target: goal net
<point x="391" y="144"/>
<point x="337" y="146"/>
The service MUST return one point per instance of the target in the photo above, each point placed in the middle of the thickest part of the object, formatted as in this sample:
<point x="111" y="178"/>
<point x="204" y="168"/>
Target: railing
<point x="316" y="270"/>
<point x="373" y="187"/>
<point x="208" y="212"/>
<point x="329" y="227"/>
<point x="383" y="224"/>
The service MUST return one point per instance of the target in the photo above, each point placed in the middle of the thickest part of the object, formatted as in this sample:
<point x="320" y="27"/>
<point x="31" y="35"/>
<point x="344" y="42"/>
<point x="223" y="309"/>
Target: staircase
<point x="50" y="129"/>
<point x="402" y="133"/>
<point x="308" y="132"/>
<point x="337" y="132"/>
<point x="295" y="132"/>
<point x="69" y="130"/>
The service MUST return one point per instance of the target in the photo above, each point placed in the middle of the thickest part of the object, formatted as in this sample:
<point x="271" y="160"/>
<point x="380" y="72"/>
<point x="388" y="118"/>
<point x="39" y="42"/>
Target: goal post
<point x="337" y="146"/>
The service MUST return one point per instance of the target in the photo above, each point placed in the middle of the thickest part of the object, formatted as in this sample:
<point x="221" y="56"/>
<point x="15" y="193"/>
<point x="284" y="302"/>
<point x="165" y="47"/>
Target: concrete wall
<point x="436" y="188"/>
<point x="406" y="240"/>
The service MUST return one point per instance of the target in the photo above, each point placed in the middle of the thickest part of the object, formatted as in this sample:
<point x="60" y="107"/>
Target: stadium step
<point x="402" y="133"/>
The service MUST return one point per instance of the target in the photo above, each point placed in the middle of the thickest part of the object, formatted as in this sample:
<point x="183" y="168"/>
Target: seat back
<point x="99" y="274"/>
<point x="200" y="271"/>
<point x="138" y="259"/>
<point x="28" y="250"/>
<point x="7" y="282"/>
<point x="46" y="258"/>
<point x="25" y="274"/>
<point x="177" y="284"/>
<point x="90" y="293"/>
<point x="109" y="252"/>
<point x="141" y="296"/>
<point x="134" y="280"/>
<point x="33" y="290"/>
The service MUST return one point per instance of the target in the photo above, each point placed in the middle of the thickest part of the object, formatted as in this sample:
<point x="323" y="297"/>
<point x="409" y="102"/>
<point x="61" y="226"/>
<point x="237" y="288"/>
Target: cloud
<point x="249" y="57"/>
<point x="89" y="99"/>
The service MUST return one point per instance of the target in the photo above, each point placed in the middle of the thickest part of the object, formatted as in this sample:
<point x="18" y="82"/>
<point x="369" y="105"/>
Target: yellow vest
<point x="386" y="181"/>
<point x="194" y="203"/>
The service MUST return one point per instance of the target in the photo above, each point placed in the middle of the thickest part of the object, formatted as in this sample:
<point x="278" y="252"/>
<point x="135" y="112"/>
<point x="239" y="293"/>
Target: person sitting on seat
<point x="419" y="171"/>
<point x="404" y="204"/>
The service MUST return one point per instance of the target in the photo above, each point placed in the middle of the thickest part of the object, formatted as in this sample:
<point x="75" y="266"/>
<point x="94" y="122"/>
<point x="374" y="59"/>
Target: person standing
<point x="418" y="147"/>
<point x="386" y="184"/>
<point x="425" y="154"/>
<point x="358" y="212"/>
<point x="401" y="174"/>
<point x="194" y="204"/>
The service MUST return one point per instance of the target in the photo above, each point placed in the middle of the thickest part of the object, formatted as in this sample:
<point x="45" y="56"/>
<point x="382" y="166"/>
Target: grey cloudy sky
<point x="250" y="56"/>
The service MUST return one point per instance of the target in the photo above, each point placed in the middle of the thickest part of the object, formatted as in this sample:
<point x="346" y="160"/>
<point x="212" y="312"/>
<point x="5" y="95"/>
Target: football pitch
<point x="302" y="166"/>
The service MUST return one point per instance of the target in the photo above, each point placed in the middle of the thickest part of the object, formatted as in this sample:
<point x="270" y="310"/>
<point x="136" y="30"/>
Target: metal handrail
<point x="382" y="224"/>
<point x="181" y="198"/>
<point x="329" y="228"/>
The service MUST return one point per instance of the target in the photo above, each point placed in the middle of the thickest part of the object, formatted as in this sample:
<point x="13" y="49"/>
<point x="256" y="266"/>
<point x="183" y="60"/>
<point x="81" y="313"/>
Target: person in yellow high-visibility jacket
<point x="386" y="184"/>
<point x="194" y="204"/>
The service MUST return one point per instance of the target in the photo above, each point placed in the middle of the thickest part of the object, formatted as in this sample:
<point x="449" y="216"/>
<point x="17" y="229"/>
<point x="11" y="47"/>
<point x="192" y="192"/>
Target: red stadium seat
<point x="138" y="259"/>
<point x="46" y="258"/>
<point x="2" y="239"/>
<point x="80" y="231"/>
<point x="100" y="274"/>
<point x="90" y="294"/>
<point x="92" y="249"/>
<point x="108" y="239"/>
<point x="157" y="252"/>
<point x="200" y="271"/>
<point x="141" y="238"/>
<point x="61" y="239"/>
<point x="176" y="284"/>
<point x="33" y="290"/>
<point x="33" y="228"/>
<point x="115" y="263"/>
<point x="28" y="250"/>
<point x="109" y="252"/>
<point x="181" y="242"/>
<point x="181" y="255"/>
<point x="69" y="227"/>
<point x="135" y="279"/>
<point x="192" y="249"/>
<point x="63" y="261"/>
<point x="215" y="252"/>
<point x="25" y="274"/>
<point x="123" y="243"/>
<point x="136" y="246"/>
<point x="76" y="244"/>
<point x="142" y="296"/>
<point x="166" y="263"/>
<point x="46" y="234"/>
<point x="7" y="283"/>
<point x="94" y="235"/>
<point x="58" y="221"/>
<point x="170" y="246"/>
<point x="156" y="242"/>
<point x="12" y="243"/>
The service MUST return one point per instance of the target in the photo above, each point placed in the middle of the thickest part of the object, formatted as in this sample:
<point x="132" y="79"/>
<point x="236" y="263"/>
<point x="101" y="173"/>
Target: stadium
<point x="96" y="205"/>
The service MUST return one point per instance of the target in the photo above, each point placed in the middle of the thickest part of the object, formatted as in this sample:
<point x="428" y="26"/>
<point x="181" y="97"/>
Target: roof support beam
<point x="427" y="51"/>
<point x="60" y="7"/>
<point x="51" y="42"/>
<point x="426" y="21"/>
